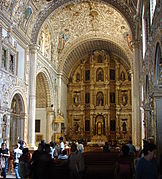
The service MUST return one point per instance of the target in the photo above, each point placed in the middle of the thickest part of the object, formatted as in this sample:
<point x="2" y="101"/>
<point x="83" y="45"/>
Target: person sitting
<point x="106" y="147"/>
<point x="63" y="155"/>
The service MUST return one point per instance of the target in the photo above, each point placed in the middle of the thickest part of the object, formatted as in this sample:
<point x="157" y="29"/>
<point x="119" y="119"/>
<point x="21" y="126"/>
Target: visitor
<point x="17" y="154"/>
<point x="106" y="147"/>
<point x="76" y="163"/>
<point x="132" y="149"/>
<point x="25" y="164"/>
<point x="61" y="147"/>
<point x="80" y="146"/>
<point x="4" y="153"/>
<point x="63" y="155"/>
<point x="124" y="167"/>
<point x="146" y="167"/>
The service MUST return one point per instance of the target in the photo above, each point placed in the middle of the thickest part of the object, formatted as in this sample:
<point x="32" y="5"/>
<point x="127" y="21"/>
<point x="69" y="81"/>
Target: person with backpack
<point x="4" y="153"/>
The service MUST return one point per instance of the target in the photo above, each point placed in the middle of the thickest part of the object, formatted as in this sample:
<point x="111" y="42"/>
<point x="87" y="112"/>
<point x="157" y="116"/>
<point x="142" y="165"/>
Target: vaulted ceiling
<point x="85" y="26"/>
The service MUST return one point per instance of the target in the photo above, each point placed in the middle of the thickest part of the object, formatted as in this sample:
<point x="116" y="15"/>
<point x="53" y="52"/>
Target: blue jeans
<point x="4" y="170"/>
<point x="16" y="170"/>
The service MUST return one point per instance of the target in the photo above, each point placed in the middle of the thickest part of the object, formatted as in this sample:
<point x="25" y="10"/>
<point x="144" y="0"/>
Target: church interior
<point x="86" y="70"/>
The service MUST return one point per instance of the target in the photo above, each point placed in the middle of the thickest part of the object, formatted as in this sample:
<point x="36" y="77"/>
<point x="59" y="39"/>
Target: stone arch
<point x="47" y="84"/>
<point x="127" y="12"/>
<point x="85" y="45"/>
<point x="15" y="91"/>
<point x="158" y="65"/>
<point x="17" y="120"/>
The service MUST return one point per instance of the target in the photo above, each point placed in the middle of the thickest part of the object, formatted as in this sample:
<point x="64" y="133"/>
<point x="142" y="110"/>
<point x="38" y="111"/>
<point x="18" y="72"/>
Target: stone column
<point x="50" y="118"/>
<point x="59" y="94"/>
<point x="32" y="94"/>
<point x="136" y="121"/>
<point x="0" y="43"/>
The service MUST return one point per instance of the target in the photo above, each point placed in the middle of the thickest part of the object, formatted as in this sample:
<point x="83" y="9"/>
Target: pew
<point x="100" y="164"/>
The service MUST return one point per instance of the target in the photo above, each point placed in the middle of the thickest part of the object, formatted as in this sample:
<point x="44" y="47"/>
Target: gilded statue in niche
<point x="124" y="127"/>
<point x="122" y="76"/>
<point x="100" y="75"/>
<point x="100" y="99"/>
<point x="124" y="99"/>
<point x="77" y="77"/>
<point x="76" y="127"/>
<point x="99" y="59"/>
<point x="76" y="99"/>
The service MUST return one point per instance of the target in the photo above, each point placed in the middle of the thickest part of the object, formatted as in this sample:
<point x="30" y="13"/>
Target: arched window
<point x="158" y="65"/>
<point x="152" y="9"/>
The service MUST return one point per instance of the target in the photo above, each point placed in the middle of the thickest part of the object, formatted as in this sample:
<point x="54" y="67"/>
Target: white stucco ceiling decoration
<point x="76" y="22"/>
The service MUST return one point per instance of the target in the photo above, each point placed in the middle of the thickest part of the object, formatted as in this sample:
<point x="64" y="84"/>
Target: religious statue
<point x="124" y="127"/>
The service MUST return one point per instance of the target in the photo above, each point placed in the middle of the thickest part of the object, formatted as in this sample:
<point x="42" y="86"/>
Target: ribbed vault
<point x="87" y="48"/>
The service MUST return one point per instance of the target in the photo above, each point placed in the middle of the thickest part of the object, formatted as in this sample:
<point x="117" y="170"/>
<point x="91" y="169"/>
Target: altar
<point x="97" y="140"/>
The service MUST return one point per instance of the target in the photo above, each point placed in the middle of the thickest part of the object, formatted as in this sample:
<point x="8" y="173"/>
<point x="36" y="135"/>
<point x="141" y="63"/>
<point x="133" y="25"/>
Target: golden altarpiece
<point x="99" y="99"/>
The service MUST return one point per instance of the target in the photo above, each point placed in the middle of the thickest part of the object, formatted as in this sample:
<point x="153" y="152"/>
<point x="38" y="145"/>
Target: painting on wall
<point x="39" y="137"/>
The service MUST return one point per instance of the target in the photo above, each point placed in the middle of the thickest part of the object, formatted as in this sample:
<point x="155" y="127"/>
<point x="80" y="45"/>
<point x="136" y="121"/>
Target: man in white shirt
<point x="61" y="144"/>
<point x="17" y="154"/>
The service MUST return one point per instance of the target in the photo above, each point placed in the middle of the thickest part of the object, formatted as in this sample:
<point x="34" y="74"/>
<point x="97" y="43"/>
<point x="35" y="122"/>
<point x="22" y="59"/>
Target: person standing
<point x="146" y="167"/>
<point x="17" y="154"/>
<point x="4" y="153"/>
<point x="61" y="144"/>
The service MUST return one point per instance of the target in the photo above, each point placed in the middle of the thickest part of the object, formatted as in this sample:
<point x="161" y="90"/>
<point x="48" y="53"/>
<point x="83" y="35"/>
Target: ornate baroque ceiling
<point x="81" y="26"/>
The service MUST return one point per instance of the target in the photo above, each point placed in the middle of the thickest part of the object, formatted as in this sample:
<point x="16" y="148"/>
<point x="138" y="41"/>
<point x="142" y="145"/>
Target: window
<point x="37" y="125"/>
<point x="158" y="65"/>
<point x="87" y="75"/>
<point x="11" y="64"/>
<point x="112" y="74"/>
<point x="87" y="98"/>
<point x="152" y="9"/>
<point x="4" y="59"/>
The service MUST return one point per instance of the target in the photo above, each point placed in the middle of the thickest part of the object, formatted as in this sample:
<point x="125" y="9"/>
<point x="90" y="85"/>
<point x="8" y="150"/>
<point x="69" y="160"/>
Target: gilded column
<point x="32" y="93"/>
<point x="136" y="124"/>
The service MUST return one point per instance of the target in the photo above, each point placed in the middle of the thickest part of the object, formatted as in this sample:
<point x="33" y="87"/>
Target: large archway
<point x="99" y="104"/>
<point x="43" y="126"/>
<point x="17" y="120"/>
